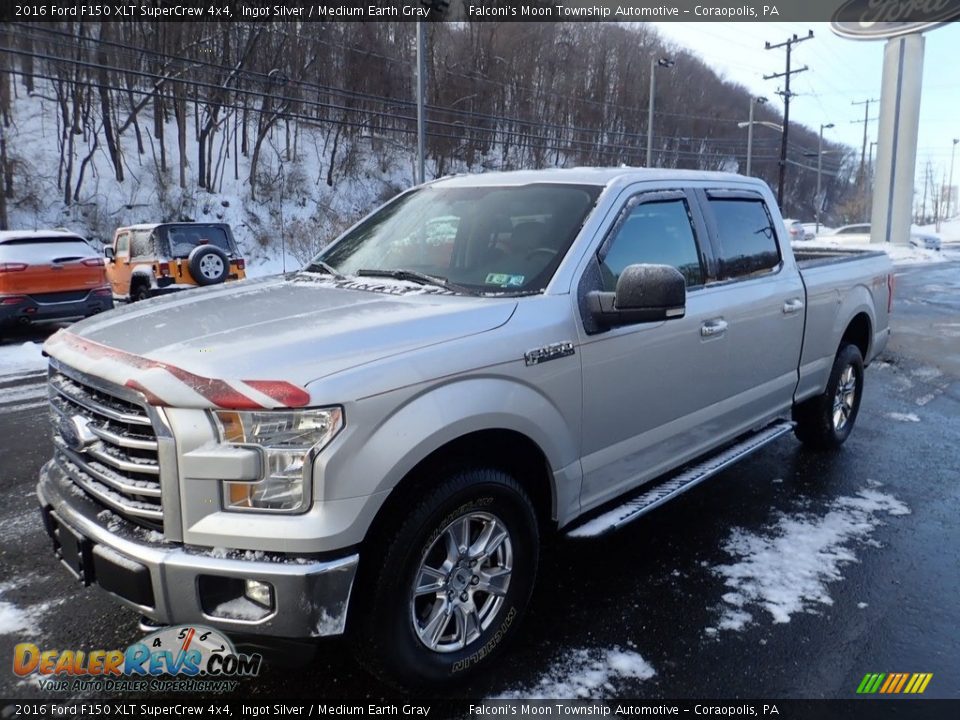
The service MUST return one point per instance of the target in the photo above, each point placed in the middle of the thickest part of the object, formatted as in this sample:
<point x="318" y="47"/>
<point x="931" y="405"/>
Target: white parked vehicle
<point x="860" y="233"/>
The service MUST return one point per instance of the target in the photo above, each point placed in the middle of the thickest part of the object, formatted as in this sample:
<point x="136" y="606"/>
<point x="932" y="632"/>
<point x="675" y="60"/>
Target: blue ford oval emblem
<point x="75" y="432"/>
<point x="882" y="19"/>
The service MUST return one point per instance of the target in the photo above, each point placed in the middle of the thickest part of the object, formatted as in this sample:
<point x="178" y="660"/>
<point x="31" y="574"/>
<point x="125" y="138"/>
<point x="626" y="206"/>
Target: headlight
<point x="287" y="441"/>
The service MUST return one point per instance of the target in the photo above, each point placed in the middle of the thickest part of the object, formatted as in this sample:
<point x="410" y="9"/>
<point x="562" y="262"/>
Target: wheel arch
<point x="859" y="332"/>
<point x="504" y="449"/>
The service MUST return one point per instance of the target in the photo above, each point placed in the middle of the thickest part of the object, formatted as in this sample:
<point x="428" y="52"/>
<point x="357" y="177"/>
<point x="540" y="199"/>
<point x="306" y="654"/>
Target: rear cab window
<point x="747" y="240"/>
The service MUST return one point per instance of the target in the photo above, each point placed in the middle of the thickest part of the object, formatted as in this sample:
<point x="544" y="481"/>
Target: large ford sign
<point x="879" y="19"/>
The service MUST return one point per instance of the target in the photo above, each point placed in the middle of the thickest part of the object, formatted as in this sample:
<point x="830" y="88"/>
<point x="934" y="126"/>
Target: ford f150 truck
<point x="376" y="445"/>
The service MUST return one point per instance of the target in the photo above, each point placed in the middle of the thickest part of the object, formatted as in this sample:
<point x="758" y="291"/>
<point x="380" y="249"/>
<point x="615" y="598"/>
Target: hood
<point x="291" y="330"/>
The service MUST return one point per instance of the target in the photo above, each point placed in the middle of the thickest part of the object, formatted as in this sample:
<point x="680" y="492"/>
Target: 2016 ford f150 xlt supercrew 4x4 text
<point x="377" y="444"/>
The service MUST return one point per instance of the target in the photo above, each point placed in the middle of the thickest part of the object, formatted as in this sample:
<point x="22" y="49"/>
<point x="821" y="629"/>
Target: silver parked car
<point x="860" y="233"/>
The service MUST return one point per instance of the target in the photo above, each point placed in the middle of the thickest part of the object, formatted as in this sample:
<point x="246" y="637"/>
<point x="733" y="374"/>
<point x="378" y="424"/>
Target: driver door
<point x="650" y="390"/>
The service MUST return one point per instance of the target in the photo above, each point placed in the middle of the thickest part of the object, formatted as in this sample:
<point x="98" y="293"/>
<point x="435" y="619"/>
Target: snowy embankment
<point x="290" y="216"/>
<point x="20" y="360"/>
<point x="900" y="255"/>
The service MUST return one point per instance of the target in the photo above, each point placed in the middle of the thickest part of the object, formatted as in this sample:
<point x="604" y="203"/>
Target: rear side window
<point x="748" y="243"/>
<point x="44" y="250"/>
<point x="658" y="233"/>
<point x="184" y="239"/>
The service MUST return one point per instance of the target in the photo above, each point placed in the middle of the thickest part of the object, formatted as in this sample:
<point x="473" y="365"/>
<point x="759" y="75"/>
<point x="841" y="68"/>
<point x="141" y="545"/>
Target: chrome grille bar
<point x="117" y="459"/>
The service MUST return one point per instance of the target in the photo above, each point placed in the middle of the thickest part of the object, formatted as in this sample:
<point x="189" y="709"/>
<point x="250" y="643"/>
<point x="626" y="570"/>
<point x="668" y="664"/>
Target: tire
<point x="455" y="626"/>
<point x="140" y="291"/>
<point x="826" y="421"/>
<point x="208" y="264"/>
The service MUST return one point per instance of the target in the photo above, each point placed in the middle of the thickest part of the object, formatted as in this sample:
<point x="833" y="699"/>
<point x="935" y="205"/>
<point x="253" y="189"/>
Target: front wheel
<point x="453" y="583"/>
<point x="827" y="420"/>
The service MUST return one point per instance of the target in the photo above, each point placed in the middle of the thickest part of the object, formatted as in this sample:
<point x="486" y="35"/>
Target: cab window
<point x="123" y="244"/>
<point x="748" y="242"/>
<point x="659" y="233"/>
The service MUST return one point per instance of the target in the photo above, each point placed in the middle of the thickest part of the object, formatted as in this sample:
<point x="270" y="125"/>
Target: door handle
<point x="793" y="305"/>
<point x="713" y="327"/>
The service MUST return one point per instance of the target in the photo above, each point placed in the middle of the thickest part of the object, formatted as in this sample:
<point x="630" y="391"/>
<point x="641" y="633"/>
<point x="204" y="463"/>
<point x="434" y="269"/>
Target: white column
<point x="897" y="139"/>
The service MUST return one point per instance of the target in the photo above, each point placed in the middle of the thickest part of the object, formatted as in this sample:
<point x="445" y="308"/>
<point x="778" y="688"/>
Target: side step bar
<point x="668" y="489"/>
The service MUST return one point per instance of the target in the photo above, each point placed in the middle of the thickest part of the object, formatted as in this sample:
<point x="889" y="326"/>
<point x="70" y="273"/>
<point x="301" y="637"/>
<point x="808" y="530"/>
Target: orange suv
<point x="148" y="260"/>
<point x="50" y="276"/>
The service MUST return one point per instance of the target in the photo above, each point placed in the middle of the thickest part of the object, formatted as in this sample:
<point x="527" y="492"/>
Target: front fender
<point x="369" y="463"/>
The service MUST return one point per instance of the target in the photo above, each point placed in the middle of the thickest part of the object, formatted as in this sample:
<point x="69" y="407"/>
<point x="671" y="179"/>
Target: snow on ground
<point x="584" y="673"/>
<point x="903" y="417"/>
<point x="16" y="620"/>
<point x="949" y="231"/>
<point x="786" y="568"/>
<point x="21" y="359"/>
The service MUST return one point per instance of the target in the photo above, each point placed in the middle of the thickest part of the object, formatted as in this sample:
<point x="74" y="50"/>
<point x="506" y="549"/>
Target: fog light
<point x="259" y="592"/>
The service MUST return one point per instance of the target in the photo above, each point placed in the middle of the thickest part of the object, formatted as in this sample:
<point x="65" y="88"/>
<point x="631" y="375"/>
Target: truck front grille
<point x="114" y="458"/>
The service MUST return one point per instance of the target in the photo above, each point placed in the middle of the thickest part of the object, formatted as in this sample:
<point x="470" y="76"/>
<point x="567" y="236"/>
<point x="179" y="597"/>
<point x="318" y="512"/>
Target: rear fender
<point x="858" y="300"/>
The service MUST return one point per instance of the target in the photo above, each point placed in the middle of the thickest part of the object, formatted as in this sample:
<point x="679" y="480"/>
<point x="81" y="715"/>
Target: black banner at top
<point x="863" y="18"/>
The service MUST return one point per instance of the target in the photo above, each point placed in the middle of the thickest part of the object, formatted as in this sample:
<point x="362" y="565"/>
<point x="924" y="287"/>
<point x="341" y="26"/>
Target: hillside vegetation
<point x="293" y="131"/>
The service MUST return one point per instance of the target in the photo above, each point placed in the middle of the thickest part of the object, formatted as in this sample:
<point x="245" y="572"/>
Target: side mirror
<point x="645" y="293"/>
<point x="109" y="253"/>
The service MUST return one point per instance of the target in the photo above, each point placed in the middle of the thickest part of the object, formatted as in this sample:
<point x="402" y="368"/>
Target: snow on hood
<point x="278" y="329"/>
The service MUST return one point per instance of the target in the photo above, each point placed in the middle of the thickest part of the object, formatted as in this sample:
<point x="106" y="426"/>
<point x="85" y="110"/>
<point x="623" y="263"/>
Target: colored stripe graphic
<point x="894" y="683"/>
<point x="231" y="395"/>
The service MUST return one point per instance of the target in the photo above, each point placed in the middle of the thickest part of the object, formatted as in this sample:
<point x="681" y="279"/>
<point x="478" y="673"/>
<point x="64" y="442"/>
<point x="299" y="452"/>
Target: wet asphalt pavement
<point x="651" y="588"/>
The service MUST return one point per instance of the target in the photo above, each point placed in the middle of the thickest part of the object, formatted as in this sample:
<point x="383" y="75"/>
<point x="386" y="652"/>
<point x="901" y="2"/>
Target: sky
<point x="841" y="71"/>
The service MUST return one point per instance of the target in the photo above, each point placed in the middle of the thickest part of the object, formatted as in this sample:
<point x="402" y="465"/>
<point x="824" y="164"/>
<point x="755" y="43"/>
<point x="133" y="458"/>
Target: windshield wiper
<point x="322" y="266"/>
<point x="417" y="277"/>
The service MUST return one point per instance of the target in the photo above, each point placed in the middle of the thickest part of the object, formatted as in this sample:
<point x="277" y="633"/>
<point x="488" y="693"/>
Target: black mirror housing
<point x="645" y="293"/>
<point x="108" y="252"/>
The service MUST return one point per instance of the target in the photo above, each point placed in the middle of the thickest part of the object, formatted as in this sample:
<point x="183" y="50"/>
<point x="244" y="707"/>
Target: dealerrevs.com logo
<point x="190" y="658"/>
<point x="877" y="19"/>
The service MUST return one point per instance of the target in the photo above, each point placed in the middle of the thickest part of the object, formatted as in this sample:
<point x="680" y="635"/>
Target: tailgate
<point x="45" y="268"/>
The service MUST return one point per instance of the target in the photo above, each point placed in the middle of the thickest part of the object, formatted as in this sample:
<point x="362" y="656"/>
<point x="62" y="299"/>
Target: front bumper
<point x="29" y="309"/>
<point x="167" y="582"/>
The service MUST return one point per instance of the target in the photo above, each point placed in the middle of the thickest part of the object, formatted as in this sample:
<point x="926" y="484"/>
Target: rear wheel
<point x="827" y="420"/>
<point x="452" y="582"/>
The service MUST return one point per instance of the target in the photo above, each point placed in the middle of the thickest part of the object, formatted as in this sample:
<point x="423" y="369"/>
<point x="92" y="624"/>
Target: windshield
<point x="485" y="239"/>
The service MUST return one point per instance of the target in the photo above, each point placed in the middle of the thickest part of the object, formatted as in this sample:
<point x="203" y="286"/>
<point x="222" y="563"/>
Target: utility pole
<point x="819" y="201"/>
<point x="421" y="92"/>
<point x="866" y="120"/>
<point x="951" y="205"/>
<point x="654" y="64"/>
<point x="753" y="101"/>
<point x="789" y="43"/>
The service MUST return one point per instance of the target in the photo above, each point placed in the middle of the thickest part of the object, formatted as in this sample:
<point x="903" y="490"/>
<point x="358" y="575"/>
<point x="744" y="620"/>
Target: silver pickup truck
<point x="377" y="445"/>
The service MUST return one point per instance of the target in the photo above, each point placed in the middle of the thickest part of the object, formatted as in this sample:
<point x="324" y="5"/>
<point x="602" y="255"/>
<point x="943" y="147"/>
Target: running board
<point x="668" y="489"/>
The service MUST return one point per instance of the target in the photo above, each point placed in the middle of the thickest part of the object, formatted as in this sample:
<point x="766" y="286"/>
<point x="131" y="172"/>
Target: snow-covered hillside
<point x="295" y="207"/>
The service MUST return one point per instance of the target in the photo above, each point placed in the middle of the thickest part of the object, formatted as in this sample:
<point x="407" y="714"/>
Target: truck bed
<point x="810" y="257"/>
